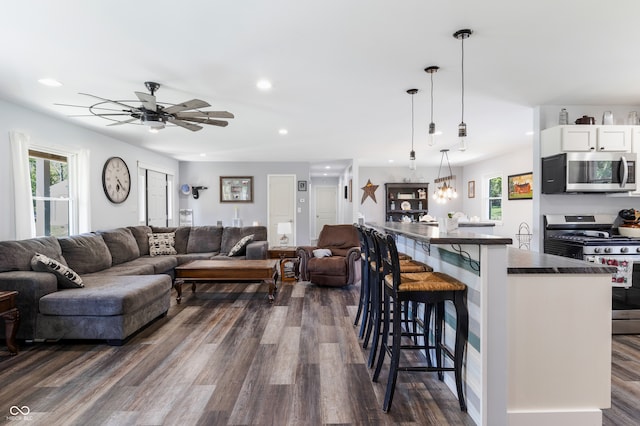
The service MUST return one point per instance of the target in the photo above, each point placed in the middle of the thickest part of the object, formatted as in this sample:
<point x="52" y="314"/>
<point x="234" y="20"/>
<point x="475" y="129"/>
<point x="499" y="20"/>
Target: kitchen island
<point x="539" y="347"/>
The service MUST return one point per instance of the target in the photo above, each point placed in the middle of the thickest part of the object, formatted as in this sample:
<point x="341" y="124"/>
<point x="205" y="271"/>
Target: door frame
<point x="294" y="189"/>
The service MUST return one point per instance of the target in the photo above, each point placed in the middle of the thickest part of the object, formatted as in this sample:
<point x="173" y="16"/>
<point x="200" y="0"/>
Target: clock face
<point x="116" y="180"/>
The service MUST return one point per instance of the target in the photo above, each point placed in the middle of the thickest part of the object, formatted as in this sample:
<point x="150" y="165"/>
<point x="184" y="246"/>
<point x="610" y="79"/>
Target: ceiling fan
<point x="155" y="114"/>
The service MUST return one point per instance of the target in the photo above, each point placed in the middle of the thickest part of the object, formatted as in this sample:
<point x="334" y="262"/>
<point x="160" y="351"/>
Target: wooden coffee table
<point x="227" y="270"/>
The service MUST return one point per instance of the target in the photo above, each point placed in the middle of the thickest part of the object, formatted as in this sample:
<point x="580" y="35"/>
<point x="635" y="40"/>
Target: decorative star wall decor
<point x="369" y="191"/>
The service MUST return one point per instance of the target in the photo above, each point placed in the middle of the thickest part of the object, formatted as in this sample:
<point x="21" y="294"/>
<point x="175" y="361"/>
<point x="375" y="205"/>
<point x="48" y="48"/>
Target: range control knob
<point x="638" y="250"/>
<point x="624" y="249"/>
<point x="597" y="249"/>
<point x="607" y="250"/>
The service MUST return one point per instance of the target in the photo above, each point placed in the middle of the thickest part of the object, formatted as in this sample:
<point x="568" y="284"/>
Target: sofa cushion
<point x="240" y="248"/>
<point x="162" y="244"/>
<point x="85" y="253"/>
<point x="231" y="235"/>
<point x="160" y="264"/>
<point x="16" y="255"/>
<point x="122" y="245"/>
<point x="107" y="295"/>
<point x="203" y="239"/>
<point x="141" y="234"/>
<point x="333" y="265"/>
<point x="182" y="235"/>
<point x="127" y="268"/>
<point x="67" y="278"/>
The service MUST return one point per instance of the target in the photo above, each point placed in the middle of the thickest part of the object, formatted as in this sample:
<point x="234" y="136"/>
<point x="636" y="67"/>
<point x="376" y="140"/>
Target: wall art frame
<point x="520" y="186"/>
<point x="236" y="189"/>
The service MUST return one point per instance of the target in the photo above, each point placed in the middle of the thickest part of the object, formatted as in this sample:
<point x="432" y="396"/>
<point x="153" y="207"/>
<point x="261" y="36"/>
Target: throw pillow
<point x="322" y="253"/>
<point x="163" y="243"/>
<point x="67" y="278"/>
<point x="240" y="247"/>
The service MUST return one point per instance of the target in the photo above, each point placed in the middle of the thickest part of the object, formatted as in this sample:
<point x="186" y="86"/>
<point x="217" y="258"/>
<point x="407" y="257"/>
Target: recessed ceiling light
<point x="327" y="167"/>
<point x="50" y="82"/>
<point x="264" y="84"/>
<point x="391" y="161"/>
<point x="325" y="174"/>
<point x="203" y="155"/>
<point x="283" y="131"/>
<point x="529" y="133"/>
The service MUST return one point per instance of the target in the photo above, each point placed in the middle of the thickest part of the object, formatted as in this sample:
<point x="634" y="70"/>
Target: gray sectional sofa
<point x="124" y="286"/>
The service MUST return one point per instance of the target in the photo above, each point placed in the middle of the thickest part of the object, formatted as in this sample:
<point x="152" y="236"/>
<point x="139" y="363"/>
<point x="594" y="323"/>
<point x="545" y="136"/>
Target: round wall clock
<point x="116" y="180"/>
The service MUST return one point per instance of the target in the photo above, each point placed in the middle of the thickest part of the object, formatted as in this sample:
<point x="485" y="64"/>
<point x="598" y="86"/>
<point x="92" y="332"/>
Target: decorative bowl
<point x="629" y="231"/>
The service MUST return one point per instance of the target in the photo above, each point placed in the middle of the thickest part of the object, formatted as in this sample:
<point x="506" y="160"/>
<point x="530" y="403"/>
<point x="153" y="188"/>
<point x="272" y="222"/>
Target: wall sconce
<point x="195" y="191"/>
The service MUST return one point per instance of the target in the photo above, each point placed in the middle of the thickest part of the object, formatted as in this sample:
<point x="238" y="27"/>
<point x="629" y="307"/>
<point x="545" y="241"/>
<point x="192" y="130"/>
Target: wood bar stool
<point x="377" y="313"/>
<point x="364" y="302"/>
<point x="431" y="288"/>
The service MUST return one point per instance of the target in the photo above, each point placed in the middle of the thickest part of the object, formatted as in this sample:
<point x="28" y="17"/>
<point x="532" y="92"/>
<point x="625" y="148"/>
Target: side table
<point x="11" y="316"/>
<point x="288" y="262"/>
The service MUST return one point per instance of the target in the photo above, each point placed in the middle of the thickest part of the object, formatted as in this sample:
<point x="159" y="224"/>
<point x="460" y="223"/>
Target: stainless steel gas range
<point x="594" y="238"/>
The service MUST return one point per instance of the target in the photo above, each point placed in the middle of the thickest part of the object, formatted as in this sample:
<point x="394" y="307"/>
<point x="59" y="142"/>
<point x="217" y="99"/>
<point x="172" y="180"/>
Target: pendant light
<point x="446" y="191"/>
<point x="412" y="153"/>
<point x="462" y="127"/>
<point x="431" y="139"/>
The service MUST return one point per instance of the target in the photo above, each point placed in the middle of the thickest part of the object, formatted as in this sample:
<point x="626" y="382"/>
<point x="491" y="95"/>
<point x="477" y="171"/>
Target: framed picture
<point x="350" y="190"/>
<point x="236" y="189"/>
<point x="520" y="187"/>
<point x="471" y="189"/>
<point x="302" y="185"/>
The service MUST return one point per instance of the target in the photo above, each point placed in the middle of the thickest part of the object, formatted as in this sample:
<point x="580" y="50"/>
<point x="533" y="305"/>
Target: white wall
<point x="514" y="212"/>
<point x="374" y="212"/>
<point x="207" y="209"/>
<point x="47" y="131"/>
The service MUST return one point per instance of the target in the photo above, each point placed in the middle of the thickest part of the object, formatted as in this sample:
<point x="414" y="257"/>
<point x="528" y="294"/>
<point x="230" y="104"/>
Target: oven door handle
<point x="625" y="172"/>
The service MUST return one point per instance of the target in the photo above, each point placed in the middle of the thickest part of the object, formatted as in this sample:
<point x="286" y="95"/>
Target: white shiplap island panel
<point x="533" y="321"/>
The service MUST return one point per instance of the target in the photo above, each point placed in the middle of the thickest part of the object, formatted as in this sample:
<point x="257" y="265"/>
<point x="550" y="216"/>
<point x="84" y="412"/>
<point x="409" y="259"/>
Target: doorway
<point x="157" y="206"/>
<point x="281" y="206"/>
<point x="326" y="206"/>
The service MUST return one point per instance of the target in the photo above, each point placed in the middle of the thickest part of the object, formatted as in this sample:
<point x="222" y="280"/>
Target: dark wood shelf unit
<point x="415" y="193"/>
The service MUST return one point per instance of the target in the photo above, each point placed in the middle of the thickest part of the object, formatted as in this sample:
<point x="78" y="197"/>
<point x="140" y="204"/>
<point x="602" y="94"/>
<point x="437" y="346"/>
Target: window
<point x="50" y="190"/>
<point x="495" y="198"/>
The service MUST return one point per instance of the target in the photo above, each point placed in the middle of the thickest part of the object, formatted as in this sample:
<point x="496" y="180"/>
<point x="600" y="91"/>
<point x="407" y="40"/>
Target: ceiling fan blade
<point x="206" y="121"/>
<point x="192" y="104"/>
<point x="117" y="123"/>
<point x="148" y="101"/>
<point x="84" y="106"/>
<point x="98" y="115"/>
<point x="108" y="100"/>
<point x="190" y="126"/>
<point x="212" y="114"/>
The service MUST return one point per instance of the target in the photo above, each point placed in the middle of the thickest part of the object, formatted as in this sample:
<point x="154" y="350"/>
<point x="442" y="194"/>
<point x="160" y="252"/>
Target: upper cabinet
<point x="588" y="138"/>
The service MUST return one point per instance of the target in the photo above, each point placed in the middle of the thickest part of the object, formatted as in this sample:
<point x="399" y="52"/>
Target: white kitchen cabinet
<point x="587" y="138"/>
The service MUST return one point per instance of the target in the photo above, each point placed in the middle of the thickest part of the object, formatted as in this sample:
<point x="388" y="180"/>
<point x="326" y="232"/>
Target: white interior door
<point x="157" y="214"/>
<point x="282" y="206"/>
<point x="326" y="207"/>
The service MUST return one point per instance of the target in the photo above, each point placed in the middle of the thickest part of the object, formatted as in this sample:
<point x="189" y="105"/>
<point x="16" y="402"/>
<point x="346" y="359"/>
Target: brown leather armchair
<point x="340" y="269"/>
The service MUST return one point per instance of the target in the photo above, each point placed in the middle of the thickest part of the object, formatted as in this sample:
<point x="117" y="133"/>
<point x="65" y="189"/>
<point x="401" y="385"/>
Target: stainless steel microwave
<point x="589" y="172"/>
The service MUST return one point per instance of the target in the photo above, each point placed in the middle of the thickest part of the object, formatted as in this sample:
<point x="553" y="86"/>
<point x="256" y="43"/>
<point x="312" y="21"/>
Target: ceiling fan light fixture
<point x="412" y="153"/>
<point x="462" y="127"/>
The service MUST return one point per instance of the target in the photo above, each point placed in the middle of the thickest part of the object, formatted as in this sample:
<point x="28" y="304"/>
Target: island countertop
<point x="433" y="235"/>
<point x="518" y="261"/>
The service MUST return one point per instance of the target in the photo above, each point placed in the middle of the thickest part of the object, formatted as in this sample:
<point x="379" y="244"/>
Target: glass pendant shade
<point x="412" y="160"/>
<point x="462" y="127"/>
<point x="431" y="138"/>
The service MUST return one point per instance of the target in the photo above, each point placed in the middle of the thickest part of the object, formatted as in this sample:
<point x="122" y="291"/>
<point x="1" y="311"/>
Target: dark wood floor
<point x="228" y="357"/>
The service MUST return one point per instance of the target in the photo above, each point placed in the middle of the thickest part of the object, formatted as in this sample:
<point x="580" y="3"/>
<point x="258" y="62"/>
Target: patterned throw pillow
<point x="163" y="243"/>
<point x="241" y="246"/>
<point x="67" y="278"/>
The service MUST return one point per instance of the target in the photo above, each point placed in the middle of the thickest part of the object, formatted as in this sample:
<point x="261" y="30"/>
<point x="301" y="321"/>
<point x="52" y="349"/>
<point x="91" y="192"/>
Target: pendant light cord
<point x="412" y="122"/>
<point x="462" y="67"/>
<point x="431" y="97"/>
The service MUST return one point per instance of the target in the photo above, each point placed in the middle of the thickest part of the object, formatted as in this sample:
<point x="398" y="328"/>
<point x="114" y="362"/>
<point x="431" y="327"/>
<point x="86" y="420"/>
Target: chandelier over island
<point x="446" y="191"/>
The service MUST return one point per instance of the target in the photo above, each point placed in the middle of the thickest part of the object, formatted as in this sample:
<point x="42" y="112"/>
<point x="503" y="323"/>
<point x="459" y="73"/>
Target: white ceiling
<point x="340" y="70"/>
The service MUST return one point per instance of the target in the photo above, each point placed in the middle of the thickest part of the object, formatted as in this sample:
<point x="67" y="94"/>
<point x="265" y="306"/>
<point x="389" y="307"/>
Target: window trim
<point x="487" y="198"/>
